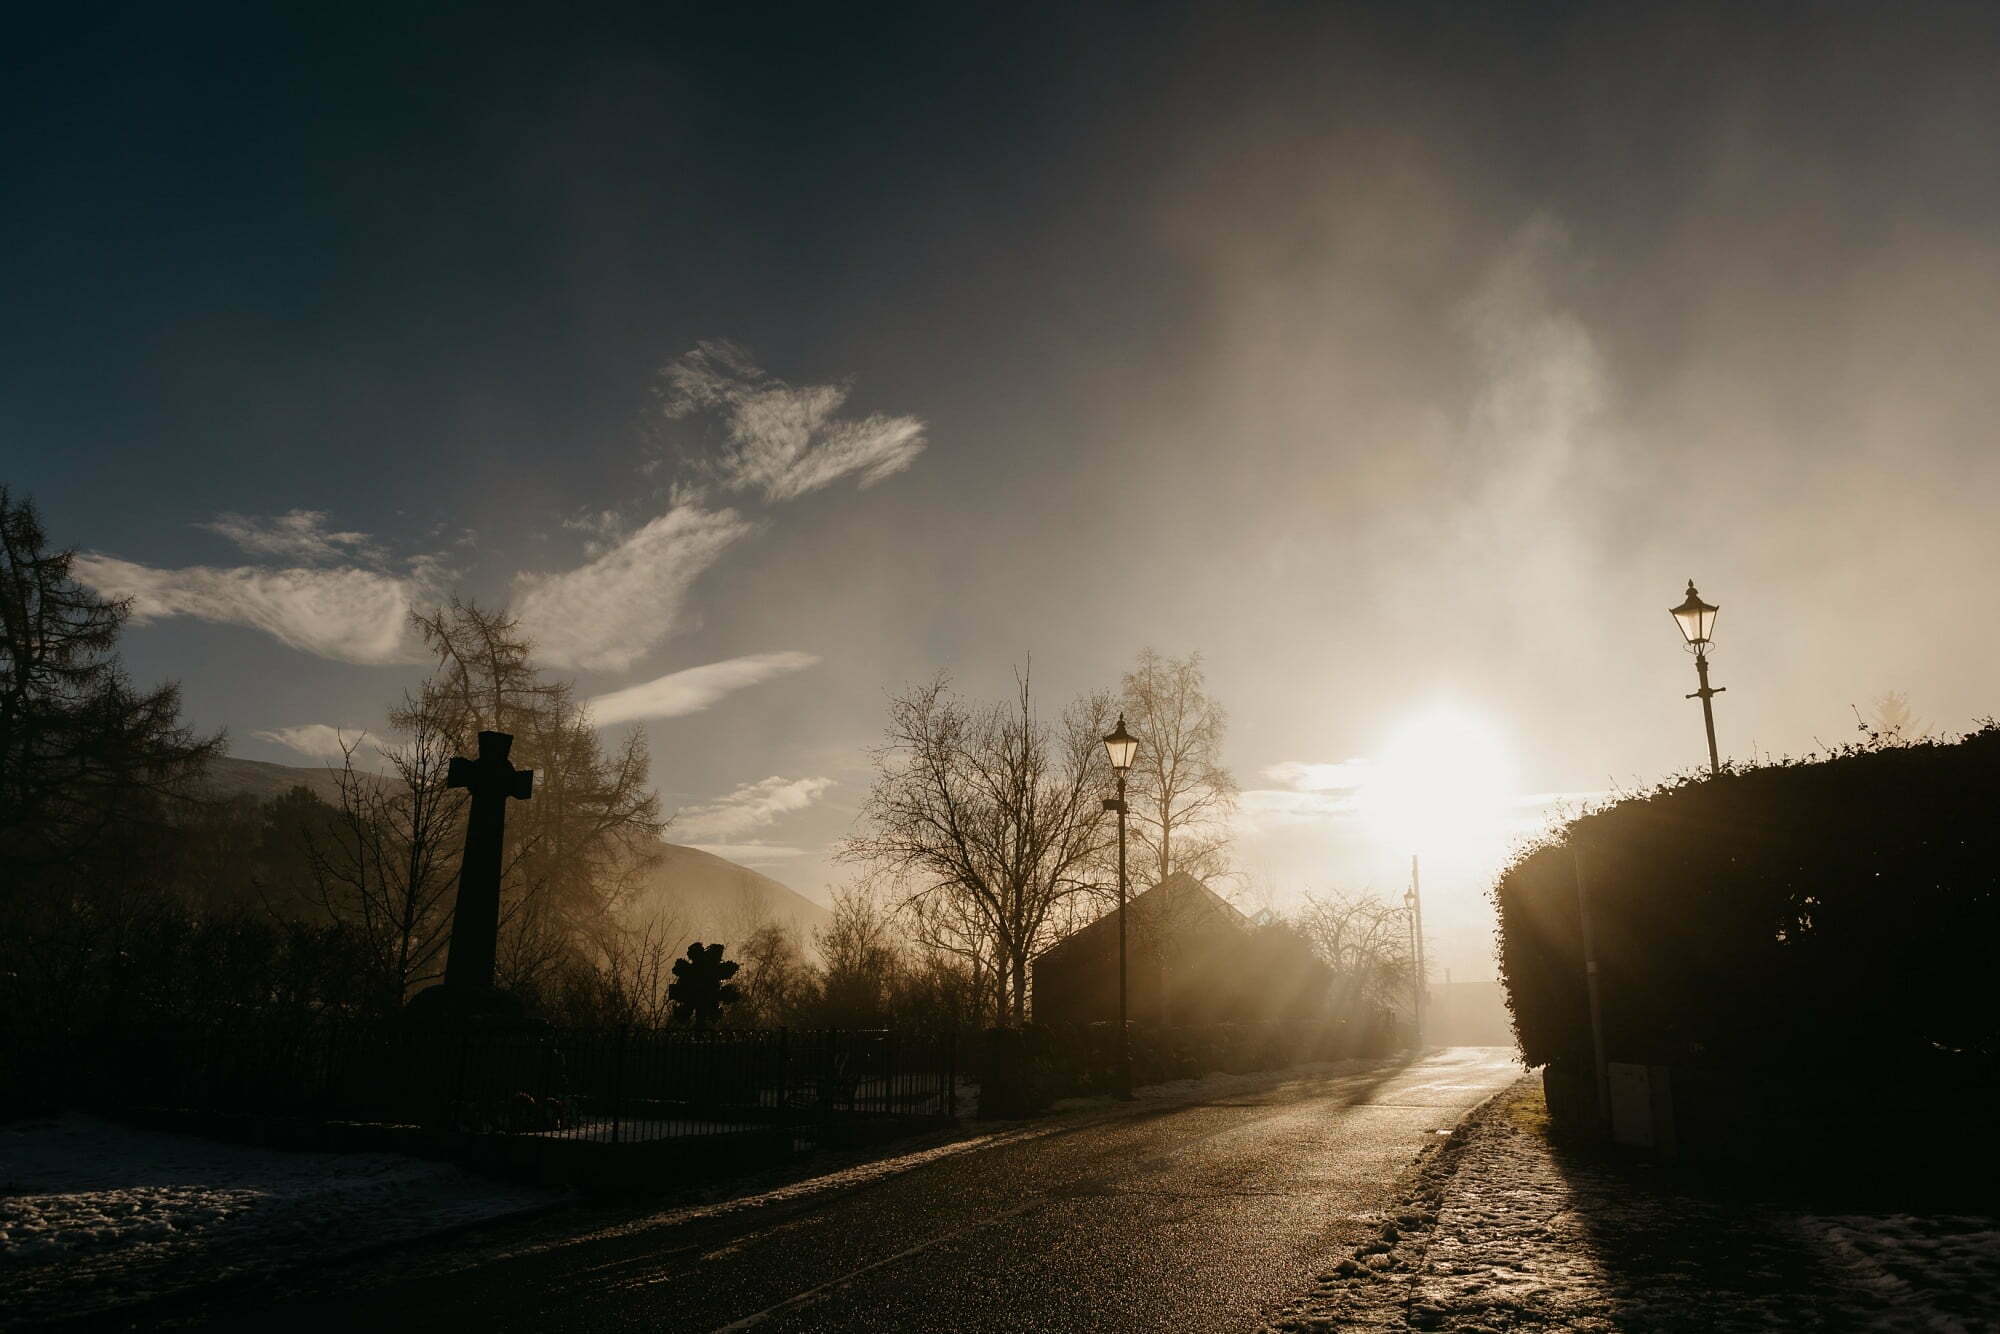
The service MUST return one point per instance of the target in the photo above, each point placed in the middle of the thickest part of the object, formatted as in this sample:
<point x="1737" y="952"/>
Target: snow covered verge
<point x="95" y="1215"/>
<point x="1499" y="1230"/>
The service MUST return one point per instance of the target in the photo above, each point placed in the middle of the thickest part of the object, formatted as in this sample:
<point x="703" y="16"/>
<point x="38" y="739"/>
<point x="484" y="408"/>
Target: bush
<point x="1788" y="916"/>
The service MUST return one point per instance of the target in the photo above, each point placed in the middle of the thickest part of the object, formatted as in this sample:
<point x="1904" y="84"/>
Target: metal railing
<point x="616" y="1086"/>
<point x="643" y="1085"/>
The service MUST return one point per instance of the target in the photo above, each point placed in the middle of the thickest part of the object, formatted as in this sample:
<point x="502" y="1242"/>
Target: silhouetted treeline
<point x="143" y="914"/>
<point x="1795" y="916"/>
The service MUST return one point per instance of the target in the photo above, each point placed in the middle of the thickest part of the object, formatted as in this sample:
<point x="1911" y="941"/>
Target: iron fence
<point x="616" y="1086"/>
<point x="641" y="1085"/>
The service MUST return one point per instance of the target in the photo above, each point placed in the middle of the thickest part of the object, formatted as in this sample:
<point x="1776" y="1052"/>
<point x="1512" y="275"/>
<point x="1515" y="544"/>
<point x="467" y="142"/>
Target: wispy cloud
<point x="749" y="808"/>
<point x="342" y="595"/>
<point x="1309" y="793"/>
<point x="1261" y="807"/>
<point x="319" y="740"/>
<point x="1304" y="777"/>
<point x="349" y="615"/>
<point x="784" y="439"/>
<point x="296" y="535"/>
<point x="694" y="689"/>
<point x="603" y="616"/>
<point x="602" y="529"/>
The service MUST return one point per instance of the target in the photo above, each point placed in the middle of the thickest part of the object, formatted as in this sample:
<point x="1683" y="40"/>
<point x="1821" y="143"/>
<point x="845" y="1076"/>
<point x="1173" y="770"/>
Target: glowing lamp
<point x="1695" y="618"/>
<point x="1121" y="746"/>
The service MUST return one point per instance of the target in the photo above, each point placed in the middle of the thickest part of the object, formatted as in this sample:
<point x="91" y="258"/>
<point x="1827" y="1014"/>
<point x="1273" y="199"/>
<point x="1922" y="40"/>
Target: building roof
<point x="1179" y="893"/>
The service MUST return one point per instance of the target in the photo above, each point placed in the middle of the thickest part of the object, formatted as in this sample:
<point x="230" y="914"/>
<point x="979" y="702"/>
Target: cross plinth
<point x="475" y="920"/>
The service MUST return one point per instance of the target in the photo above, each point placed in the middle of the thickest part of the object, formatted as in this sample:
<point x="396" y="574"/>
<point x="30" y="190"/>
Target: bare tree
<point x="777" y="982"/>
<point x="990" y="819"/>
<point x="1179" y="795"/>
<point x="638" y="966"/>
<point x="953" y="926"/>
<point x="862" y="955"/>
<point x="387" y="862"/>
<point x="1365" y="941"/>
<point x="573" y="850"/>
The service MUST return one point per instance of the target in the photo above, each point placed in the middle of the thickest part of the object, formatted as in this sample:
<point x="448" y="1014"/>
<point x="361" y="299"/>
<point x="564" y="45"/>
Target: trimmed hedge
<point x="1790" y="916"/>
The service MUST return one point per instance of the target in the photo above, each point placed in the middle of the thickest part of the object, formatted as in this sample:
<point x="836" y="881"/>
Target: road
<point x="1200" y="1214"/>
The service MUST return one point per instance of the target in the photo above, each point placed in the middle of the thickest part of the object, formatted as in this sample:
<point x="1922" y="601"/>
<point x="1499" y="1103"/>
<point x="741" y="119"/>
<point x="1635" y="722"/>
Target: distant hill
<point x="230" y="776"/>
<point x="700" y="894"/>
<point x="706" y="897"/>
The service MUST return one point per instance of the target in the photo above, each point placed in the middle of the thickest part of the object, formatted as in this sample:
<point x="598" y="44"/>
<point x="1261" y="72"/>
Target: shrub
<point x="1790" y="915"/>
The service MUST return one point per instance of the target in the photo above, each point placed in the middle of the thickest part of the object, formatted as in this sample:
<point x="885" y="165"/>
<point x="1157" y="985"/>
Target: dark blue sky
<point x="1400" y="358"/>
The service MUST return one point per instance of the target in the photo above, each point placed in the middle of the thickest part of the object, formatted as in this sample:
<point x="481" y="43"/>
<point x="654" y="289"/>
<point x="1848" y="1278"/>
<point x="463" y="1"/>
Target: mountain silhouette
<point x="711" y="898"/>
<point x="232" y="776"/>
<point x="704" y="895"/>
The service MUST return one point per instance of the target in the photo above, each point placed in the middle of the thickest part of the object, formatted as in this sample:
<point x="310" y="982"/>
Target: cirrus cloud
<point x="605" y="615"/>
<point x="749" y="808"/>
<point x="299" y="534"/>
<point x="784" y="439"/>
<point x="349" y="615"/>
<point x="679" y="693"/>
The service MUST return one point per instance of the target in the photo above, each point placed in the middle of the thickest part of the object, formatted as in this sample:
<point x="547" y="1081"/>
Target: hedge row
<point x="1792" y="915"/>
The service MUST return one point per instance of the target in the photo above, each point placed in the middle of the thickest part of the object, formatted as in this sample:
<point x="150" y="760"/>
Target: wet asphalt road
<point x="1202" y="1215"/>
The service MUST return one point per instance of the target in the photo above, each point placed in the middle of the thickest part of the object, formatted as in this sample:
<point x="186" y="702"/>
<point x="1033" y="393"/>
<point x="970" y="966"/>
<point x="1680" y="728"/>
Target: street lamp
<point x="1697" y="622"/>
<point x="1121" y="746"/>
<point x="1414" y="903"/>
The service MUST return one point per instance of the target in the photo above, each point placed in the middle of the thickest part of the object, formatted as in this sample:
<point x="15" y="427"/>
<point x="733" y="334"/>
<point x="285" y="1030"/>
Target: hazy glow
<point x="1443" y="787"/>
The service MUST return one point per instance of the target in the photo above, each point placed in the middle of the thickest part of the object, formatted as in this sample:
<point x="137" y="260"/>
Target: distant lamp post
<point x="1121" y="746"/>
<point x="1697" y="622"/>
<point x="1414" y="903"/>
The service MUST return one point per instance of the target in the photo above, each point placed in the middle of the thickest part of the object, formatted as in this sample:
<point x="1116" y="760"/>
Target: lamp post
<point x="1697" y="622"/>
<point x="1413" y="901"/>
<point x="1121" y="746"/>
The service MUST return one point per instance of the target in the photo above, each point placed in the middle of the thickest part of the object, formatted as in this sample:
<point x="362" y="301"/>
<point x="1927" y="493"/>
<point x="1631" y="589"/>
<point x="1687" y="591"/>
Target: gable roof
<point x="1180" y="893"/>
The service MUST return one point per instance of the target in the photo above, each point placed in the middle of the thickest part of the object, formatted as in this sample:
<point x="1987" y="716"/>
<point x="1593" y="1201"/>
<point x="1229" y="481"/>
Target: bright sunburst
<point x="1443" y="786"/>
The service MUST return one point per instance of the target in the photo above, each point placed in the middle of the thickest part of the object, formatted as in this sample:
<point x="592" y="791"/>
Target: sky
<point x="1404" y="360"/>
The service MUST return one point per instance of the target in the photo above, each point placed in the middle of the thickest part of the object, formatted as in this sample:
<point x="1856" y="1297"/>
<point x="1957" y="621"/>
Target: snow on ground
<point x="1929" y="1272"/>
<point x="1502" y="1231"/>
<point x="95" y="1214"/>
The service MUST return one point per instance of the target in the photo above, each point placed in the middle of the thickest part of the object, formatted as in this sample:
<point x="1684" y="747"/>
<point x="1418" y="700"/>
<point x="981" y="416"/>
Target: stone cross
<point x="475" y="921"/>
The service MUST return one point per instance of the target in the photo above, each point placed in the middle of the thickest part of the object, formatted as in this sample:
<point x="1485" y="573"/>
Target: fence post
<point x="889" y="1082"/>
<point x="617" y="1082"/>
<point x="457" y="1102"/>
<point x="541" y="1112"/>
<point x="785" y="1084"/>
<point x="829" y="1083"/>
<point x="951" y="1073"/>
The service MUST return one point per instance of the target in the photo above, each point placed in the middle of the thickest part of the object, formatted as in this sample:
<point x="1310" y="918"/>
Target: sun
<point x="1444" y="786"/>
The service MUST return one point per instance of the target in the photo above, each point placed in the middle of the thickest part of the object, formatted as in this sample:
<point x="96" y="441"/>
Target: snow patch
<point x="94" y="1214"/>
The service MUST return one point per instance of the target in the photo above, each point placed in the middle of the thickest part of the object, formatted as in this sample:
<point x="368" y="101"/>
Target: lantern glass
<point x="1121" y="746"/>
<point x="1695" y="618"/>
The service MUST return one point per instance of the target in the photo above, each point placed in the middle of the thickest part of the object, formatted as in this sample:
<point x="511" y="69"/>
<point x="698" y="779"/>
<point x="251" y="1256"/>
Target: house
<point x="1192" y="958"/>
